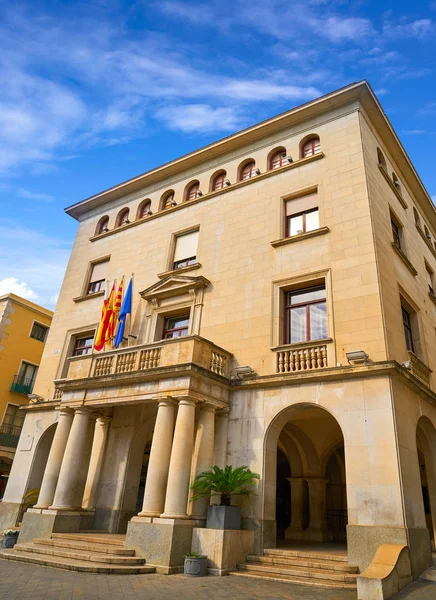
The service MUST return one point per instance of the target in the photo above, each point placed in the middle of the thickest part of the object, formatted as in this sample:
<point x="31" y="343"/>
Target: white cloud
<point x="420" y="29"/>
<point x="199" y="118"/>
<point x="11" y="285"/>
<point x="339" y="29"/>
<point x="37" y="196"/>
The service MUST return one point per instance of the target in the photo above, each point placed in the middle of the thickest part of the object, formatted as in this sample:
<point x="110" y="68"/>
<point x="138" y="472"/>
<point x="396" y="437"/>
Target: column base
<point x="42" y="523"/>
<point x="224" y="548"/>
<point x="162" y="542"/>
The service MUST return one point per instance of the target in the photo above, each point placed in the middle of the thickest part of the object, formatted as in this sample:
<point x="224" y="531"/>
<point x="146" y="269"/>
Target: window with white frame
<point x="185" y="249"/>
<point x="302" y="215"/>
<point x="97" y="277"/>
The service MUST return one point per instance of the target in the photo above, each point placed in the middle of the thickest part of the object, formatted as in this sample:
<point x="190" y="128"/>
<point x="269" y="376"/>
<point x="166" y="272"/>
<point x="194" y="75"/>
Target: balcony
<point x="419" y="369"/>
<point x="307" y="356"/>
<point x="9" y="436"/>
<point x="151" y="357"/>
<point x="22" y="385"/>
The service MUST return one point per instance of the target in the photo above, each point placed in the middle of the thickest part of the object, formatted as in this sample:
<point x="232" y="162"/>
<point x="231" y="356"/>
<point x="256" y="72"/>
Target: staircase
<point x="86" y="552"/>
<point x="314" y="568"/>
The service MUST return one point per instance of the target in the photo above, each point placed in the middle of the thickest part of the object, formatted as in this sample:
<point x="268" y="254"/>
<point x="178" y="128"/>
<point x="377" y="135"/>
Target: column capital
<point x="205" y="406"/>
<point x="104" y="420"/>
<point x="223" y="412"/>
<point x="66" y="410"/>
<point x="187" y="401"/>
<point x="82" y="410"/>
<point x="296" y="479"/>
<point x="168" y="401"/>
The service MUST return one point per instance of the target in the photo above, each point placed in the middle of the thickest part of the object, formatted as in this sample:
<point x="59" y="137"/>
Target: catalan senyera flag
<point x="106" y="312"/>
<point x="113" y="320"/>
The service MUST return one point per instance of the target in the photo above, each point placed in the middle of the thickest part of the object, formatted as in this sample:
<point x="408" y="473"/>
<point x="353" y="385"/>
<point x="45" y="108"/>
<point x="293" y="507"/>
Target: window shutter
<point x="186" y="246"/>
<point x="99" y="271"/>
<point x="302" y="204"/>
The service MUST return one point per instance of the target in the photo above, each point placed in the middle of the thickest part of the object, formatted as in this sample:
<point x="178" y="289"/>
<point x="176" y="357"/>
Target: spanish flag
<point x="110" y="331"/>
<point x="106" y="312"/>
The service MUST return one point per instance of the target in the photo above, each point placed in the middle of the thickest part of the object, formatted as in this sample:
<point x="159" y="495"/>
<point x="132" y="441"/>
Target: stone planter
<point x="9" y="540"/>
<point x="195" y="567"/>
<point x="223" y="517"/>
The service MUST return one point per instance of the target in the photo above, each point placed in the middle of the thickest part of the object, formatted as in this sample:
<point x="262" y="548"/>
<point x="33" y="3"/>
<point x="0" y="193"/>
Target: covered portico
<point x="170" y="397"/>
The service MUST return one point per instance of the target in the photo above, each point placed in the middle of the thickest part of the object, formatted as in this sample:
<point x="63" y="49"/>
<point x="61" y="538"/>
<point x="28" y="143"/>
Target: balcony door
<point x="27" y="376"/>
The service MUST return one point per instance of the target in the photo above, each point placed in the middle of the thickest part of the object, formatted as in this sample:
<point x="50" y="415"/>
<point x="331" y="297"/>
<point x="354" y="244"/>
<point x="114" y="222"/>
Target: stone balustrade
<point x="166" y="353"/>
<point x="419" y="369"/>
<point x="304" y="358"/>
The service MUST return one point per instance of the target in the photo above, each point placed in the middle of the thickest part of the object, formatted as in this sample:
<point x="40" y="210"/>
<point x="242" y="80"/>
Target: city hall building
<point x="284" y="318"/>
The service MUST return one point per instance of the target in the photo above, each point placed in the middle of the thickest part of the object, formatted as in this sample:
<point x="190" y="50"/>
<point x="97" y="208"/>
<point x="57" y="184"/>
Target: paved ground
<point x="20" y="581"/>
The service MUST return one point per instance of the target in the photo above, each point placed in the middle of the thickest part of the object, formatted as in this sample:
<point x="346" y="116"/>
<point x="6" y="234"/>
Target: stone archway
<point x="426" y="450"/>
<point x="40" y="458"/>
<point x="313" y="442"/>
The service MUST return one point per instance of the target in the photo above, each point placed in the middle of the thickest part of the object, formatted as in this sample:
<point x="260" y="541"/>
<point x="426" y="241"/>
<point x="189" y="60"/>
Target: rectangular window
<point x="39" y="332"/>
<point x="408" y="332"/>
<point x="13" y="418"/>
<point x="98" y="277"/>
<point x="306" y="315"/>
<point x="396" y="233"/>
<point x="430" y="277"/>
<point x="175" y="327"/>
<point x="83" y="345"/>
<point x="185" y="250"/>
<point x="302" y="215"/>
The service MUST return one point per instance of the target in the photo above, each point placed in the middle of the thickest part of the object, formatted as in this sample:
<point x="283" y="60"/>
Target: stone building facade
<point x="283" y="318"/>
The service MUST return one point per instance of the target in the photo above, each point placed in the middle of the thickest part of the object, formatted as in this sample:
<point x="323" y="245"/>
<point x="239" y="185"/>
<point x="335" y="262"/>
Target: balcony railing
<point x="9" y="436"/>
<point x="419" y="369"/>
<point x="144" y="358"/>
<point x="304" y="358"/>
<point x="22" y="385"/>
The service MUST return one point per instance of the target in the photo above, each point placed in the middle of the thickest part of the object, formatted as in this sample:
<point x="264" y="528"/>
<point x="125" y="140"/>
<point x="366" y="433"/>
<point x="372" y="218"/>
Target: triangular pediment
<point x="174" y="285"/>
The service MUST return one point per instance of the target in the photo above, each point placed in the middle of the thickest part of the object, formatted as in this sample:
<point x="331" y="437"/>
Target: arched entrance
<point x="305" y="468"/>
<point x="426" y="446"/>
<point x="136" y="474"/>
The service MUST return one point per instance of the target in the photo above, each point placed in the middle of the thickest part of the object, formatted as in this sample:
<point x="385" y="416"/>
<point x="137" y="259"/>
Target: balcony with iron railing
<point x="22" y="385"/>
<point x="147" y="358"/>
<point x="9" y="435"/>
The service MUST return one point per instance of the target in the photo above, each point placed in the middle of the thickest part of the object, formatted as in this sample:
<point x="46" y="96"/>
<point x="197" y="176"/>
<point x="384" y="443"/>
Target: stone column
<point x="54" y="461"/>
<point x="295" y="527"/>
<point x="159" y="463"/>
<point x="203" y="455"/>
<point x="176" y="501"/>
<point x="317" y="506"/>
<point x="95" y="464"/>
<point x="221" y="433"/>
<point x="66" y="496"/>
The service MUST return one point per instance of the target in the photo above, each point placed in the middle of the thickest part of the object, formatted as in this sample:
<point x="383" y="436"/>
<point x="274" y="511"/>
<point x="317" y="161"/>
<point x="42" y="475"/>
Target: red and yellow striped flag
<point x="113" y="320"/>
<point x="106" y="313"/>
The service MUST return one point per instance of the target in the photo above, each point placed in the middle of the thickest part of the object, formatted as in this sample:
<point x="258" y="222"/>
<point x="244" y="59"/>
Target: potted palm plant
<point x="226" y="483"/>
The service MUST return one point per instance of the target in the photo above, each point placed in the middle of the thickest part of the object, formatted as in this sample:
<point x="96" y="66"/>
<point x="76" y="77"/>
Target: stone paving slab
<point x="20" y="581"/>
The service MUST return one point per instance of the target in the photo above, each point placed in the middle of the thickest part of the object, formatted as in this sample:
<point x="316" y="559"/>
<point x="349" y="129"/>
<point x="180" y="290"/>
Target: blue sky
<point x="94" y="93"/>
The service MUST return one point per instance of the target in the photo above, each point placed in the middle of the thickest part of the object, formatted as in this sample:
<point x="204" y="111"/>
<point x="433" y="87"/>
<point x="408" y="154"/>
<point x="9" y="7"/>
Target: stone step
<point x="305" y="554"/>
<point x="104" y="538"/>
<point x="82" y="556"/>
<point x="85" y="546"/>
<point x="303" y="573"/>
<point x="75" y="565"/>
<point x="319" y="583"/>
<point x="330" y="565"/>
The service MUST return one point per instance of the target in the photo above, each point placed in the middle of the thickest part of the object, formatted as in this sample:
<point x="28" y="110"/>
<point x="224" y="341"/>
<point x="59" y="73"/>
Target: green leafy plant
<point x="194" y="555"/>
<point x="225" y="483"/>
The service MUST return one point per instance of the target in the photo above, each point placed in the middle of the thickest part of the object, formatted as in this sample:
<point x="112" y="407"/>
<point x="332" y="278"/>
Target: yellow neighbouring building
<point x="23" y="331"/>
<point x="283" y="317"/>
